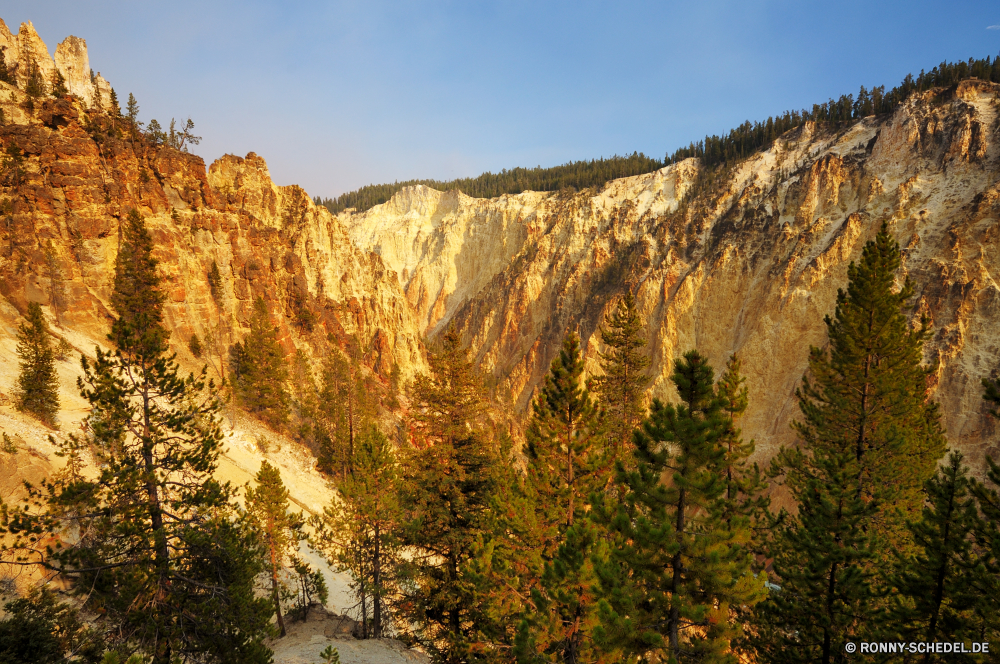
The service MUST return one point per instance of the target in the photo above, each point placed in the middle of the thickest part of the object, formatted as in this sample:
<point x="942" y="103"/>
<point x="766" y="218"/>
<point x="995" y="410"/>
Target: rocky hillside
<point x="747" y="263"/>
<point x="81" y="173"/>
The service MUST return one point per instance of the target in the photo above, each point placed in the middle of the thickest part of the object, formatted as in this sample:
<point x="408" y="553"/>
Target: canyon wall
<point x="749" y="263"/>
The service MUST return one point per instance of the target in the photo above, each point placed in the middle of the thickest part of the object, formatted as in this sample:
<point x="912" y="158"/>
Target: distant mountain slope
<point x="749" y="264"/>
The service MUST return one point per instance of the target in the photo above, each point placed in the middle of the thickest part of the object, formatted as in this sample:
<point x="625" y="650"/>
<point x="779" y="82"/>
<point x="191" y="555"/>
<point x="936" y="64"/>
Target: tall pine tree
<point x="449" y="476"/>
<point x="566" y="464"/>
<point x="676" y="568"/>
<point x="358" y="531"/>
<point x="936" y="589"/>
<point x="868" y="394"/>
<point x="259" y="370"/>
<point x="159" y="556"/>
<point x="621" y="390"/>
<point x="276" y="527"/>
<point x="870" y="439"/>
<point x="37" y="390"/>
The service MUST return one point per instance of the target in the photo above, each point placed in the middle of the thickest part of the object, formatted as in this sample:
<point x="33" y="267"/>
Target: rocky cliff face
<point x="80" y="176"/>
<point x="25" y="50"/>
<point x="748" y="264"/>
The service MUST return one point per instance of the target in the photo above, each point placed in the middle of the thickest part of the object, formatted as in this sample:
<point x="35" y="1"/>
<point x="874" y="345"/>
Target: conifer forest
<point x="601" y="525"/>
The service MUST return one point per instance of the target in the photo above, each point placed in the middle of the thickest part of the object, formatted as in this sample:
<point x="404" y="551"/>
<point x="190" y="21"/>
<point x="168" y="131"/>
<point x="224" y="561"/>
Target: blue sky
<point x="335" y="95"/>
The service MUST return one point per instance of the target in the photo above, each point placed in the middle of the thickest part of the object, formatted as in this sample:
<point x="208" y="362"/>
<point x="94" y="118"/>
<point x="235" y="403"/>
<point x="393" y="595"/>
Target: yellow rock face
<point x="750" y="264"/>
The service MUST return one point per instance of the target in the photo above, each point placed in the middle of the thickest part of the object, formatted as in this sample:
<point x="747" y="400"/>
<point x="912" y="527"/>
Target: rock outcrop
<point x="26" y="50"/>
<point x="749" y="264"/>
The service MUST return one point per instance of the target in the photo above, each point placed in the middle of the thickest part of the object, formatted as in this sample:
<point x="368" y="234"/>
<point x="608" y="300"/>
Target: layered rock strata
<point x="749" y="263"/>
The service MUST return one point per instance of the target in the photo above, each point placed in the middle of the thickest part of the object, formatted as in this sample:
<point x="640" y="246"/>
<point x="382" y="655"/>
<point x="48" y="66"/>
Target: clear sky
<point x="335" y="95"/>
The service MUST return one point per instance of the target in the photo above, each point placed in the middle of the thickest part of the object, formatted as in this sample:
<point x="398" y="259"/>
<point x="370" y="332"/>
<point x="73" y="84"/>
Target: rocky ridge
<point x="748" y="264"/>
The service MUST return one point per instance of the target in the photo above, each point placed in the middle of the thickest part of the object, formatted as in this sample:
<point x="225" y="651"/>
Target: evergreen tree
<point x="215" y="283"/>
<point x="446" y="496"/>
<point x="259" y="370"/>
<point x="868" y="395"/>
<point x="621" y="388"/>
<point x="58" y="85"/>
<point x="745" y="484"/>
<point x="565" y="466"/>
<point x="870" y="440"/>
<point x="676" y="569"/>
<point x="277" y="528"/>
<point x="991" y="394"/>
<point x="566" y="462"/>
<point x="358" y="531"/>
<point x="37" y="390"/>
<point x="936" y="588"/>
<point x="34" y="86"/>
<point x="38" y="629"/>
<point x="822" y="560"/>
<point x="159" y="555"/>
<point x="346" y="409"/>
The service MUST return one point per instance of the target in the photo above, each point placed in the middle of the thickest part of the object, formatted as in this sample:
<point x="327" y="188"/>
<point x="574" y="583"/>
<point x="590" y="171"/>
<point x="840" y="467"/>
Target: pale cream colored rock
<point x="751" y="268"/>
<point x="73" y="63"/>
<point x="32" y="50"/>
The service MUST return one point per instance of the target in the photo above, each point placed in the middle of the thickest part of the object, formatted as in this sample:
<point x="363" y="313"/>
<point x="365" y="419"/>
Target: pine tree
<point x="870" y="440"/>
<point x="215" y="283"/>
<point x="676" y="567"/>
<point x="869" y="395"/>
<point x="822" y="556"/>
<point x="621" y="389"/>
<point x="259" y="369"/>
<point x="37" y="390"/>
<point x="446" y="498"/>
<point x="346" y="408"/>
<point x="745" y="484"/>
<point x="936" y="588"/>
<point x="34" y="86"/>
<point x="160" y="556"/>
<point x="358" y="531"/>
<point x="566" y="464"/>
<point x="277" y="528"/>
<point x="58" y="86"/>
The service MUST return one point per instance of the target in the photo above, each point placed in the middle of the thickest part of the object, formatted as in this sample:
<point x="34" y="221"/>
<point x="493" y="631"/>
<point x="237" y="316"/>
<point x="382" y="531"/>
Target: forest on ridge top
<point x="713" y="151"/>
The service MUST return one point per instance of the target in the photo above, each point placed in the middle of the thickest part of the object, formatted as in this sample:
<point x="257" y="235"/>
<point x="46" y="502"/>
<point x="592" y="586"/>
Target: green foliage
<point x="330" y="655"/>
<point x="991" y="394"/>
<point x="132" y="115"/>
<point x="871" y="441"/>
<point x="446" y="501"/>
<point x="822" y="559"/>
<point x="277" y="529"/>
<point x="345" y="409"/>
<point x="745" y="483"/>
<point x="155" y="134"/>
<point x="12" y="170"/>
<point x="310" y="588"/>
<point x="116" y="109"/>
<point x="194" y="345"/>
<point x="868" y="394"/>
<point x="7" y="444"/>
<point x="58" y="84"/>
<point x="38" y="629"/>
<point x="621" y="390"/>
<point x="179" y="138"/>
<point x="215" y="283"/>
<point x="677" y="568"/>
<point x="34" y="86"/>
<point x="259" y="370"/>
<point x="164" y="561"/>
<point x="566" y="464"/>
<point x="939" y="590"/>
<point x="37" y="390"/>
<point x="577" y="174"/>
<point x="358" y="531"/>
<point x="6" y="75"/>
<point x="713" y="151"/>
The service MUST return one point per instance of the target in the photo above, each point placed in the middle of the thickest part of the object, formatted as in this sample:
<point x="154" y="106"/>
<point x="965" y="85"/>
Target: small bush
<point x="194" y="345"/>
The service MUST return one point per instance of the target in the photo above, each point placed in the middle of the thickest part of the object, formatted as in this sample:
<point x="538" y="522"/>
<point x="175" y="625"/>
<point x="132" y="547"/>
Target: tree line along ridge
<point x="713" y="151"/>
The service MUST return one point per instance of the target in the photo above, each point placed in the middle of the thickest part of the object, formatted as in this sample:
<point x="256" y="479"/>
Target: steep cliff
<point x="749" y="262"/>
<point x="81" y="174"/>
